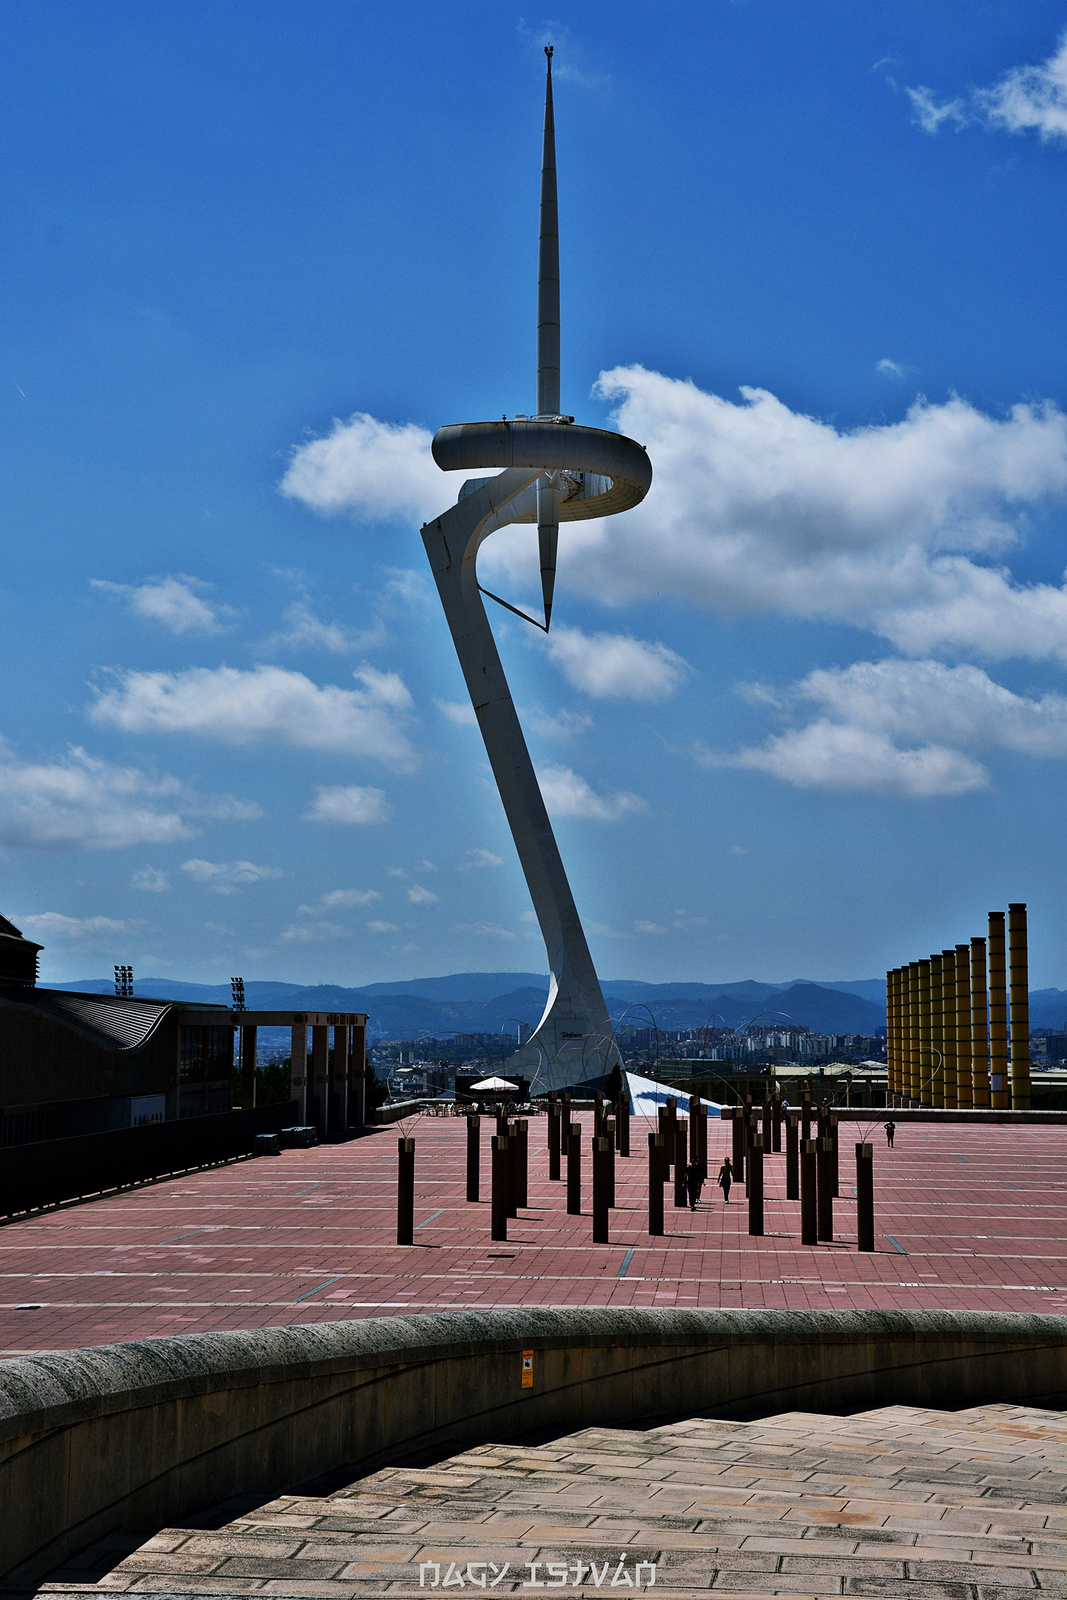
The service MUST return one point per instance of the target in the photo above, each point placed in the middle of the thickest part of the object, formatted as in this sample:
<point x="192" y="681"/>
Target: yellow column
<point x="937" y="1033"/>
<point x="948" y="989"/>
<point x="925" y="1058"/>
<point x="998" y="1013"/>
<point x="979" y="1027"/>
<point x="912" y="1090"/>
<point x="964" y="1096"/>
<point x="1019" y="981"/>
<point x="899" y="1015"/>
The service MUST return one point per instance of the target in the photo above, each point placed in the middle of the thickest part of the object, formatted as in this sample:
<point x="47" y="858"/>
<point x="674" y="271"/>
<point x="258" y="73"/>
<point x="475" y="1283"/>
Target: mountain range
<point x="484" y="1002"/>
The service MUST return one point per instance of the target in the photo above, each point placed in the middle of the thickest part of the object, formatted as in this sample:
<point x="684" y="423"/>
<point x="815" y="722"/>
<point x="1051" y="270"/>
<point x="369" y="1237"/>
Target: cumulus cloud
<point x="757" y="508"/>
<point x="487" y="930"/>
<point x="84" y="801"/>
<point x="175" y="601"/>
<point x="481" y="858"/>
<point x="568" y="795"/>
<point x="1025" y="99"/>
<point x="560" y="725"/>
<point x="422" y="897"/>
<point x="267" y="705"/>
<point x="378" y="470"/>
<point x="383" y="927"/>
<point x="907" y="728"/>
<point x="458" y="712"/>
<point x="49" y="926"/>
<point x="615" y="665"/>
<point x="349" y="804"/>
<point x="304" y="629"/>
<point x="228" y="877"/>
<point x="151" y="879"/>
<point x="345" y="899"/>
<point x="313" y="933"/>
<point x="650" y="927"/>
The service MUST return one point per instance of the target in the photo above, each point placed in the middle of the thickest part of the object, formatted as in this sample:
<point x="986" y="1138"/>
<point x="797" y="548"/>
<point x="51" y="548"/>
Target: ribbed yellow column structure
<point x="998" y="1013"/>
<point x="890" y="1031"/>
<point x="925" y="1058"/>
<point x="979" y="1028"/>
<point x="948" y="989"/>
<point x="1019" y="983"/>
<point x="912" y="1090"/>
<point x="937" y="1034"/>
<point x="964" y="1095"/>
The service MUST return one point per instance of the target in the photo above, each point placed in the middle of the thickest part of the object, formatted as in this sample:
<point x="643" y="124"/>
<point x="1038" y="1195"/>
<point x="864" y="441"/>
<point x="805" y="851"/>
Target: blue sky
<point x="803" y="713"/>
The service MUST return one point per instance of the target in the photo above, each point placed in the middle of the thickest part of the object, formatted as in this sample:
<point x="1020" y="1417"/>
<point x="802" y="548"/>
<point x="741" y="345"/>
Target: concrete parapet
<point x="144" y="1433"/>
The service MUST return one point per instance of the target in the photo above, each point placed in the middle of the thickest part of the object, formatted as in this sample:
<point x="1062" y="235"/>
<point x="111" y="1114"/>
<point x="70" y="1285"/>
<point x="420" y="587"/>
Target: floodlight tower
<point x="554" y="471"/>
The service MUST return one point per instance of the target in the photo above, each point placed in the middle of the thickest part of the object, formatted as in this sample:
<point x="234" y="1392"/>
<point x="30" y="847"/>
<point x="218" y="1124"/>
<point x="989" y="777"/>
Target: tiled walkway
<point x="966" y="1219"/>
<point x="913" y="1504"/>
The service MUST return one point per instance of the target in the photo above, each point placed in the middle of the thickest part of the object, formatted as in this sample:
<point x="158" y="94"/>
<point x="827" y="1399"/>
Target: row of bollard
<point x="811" y="1165"/>
<point x="812" y="1173"/>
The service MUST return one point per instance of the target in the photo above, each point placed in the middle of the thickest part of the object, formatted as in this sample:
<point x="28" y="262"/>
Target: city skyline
<point x="802" y="711"/>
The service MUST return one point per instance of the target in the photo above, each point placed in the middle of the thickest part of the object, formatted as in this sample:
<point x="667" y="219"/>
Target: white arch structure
<point x="553" y="471"/>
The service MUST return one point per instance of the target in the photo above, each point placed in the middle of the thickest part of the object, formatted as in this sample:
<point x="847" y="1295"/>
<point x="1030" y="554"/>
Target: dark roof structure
<point x="105" y="1020"/>
<point x="18" y="956"/>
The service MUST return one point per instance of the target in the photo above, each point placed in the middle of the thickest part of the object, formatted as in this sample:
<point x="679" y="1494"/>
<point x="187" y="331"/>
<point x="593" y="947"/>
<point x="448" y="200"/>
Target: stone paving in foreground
<point x="966" y="1218"/>
<point x="897" y="1502"/>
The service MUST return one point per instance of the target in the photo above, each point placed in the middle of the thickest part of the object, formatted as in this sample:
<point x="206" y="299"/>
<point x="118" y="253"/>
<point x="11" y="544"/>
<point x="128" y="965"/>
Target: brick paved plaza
<point x="966" y="1218"/>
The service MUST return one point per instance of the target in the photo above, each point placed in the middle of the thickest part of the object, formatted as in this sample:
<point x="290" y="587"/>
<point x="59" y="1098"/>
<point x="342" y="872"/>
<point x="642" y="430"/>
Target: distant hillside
<point x="483" y="1002"/>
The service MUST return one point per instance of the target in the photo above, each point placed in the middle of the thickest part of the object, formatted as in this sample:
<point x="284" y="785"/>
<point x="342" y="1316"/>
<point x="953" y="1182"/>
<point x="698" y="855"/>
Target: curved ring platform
<point x="142" y="1434"/>
<point x="607" y="472"/>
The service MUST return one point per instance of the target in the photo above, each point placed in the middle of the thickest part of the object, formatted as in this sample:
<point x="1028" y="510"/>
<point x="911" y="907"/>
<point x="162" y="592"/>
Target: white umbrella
<point x="494" y="1083"/>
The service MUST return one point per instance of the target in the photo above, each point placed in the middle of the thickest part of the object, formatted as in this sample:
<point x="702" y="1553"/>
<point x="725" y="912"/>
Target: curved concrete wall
<point x="146" y="1432"/>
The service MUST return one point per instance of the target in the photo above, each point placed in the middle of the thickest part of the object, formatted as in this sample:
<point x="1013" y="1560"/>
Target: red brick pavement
<point x="966" y="1218"/>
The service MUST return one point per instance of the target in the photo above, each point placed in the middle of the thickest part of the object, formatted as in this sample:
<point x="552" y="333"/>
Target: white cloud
<point x="568" y="795"/>
<point x="305" y="630"/>
<point x="313" y="933"/>
<point x="383" y="927"/>
<point x="650" y="927"/>
<point x="460" y="712"/>
<point x="83" y="801"/>
<point x="228" y="877"/>
<point x="481" y="858"/>
<point x="173" y="601"/>
<point x="486" y="930"/>
<point x="49" y="926"/>
<point x="892" y="369"/>
<point x="266" y="704"/>
<point x="833" y="756"/>
<point x="562" y="725"/>
<point x="615" y="665"/>
<point x="905" y="728"/>
<point x="422" y="897"/>
<point x="348" y="803"/>
<point x="1025" y="98"/>
<point x="345" y="899"/>
<point x="756" y="508"/>
<point x="151" y="879"/>
<point x="379" y="470"/>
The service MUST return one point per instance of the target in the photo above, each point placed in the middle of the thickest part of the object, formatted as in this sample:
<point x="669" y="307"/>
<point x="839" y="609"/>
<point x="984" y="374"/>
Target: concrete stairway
<point x="898" y="1502"/>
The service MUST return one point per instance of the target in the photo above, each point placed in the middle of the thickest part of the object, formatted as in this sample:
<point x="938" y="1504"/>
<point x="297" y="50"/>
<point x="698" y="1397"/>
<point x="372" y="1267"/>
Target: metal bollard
<point x="824" y="1160"/>
<point x="792" y="1156"/>
<point x="498" y="1223"/>
<point x="755" y="1186"/>
<point x="574" y="1169"/>
<point x="522" y="1128"/>
<point x="864" y="1197"/>
<point x="681" y="1146"/>
<point x="609" y="1134"/>
<point x="737" y="1117"/>
<point x="622" y="1115"/>
<point x="809" y="1180"/>
<point x="766" y="1130"/>
<point x="835" y="1171"/>
<point x="602" y="1152"/>
<point x="655" y="1183"/>
<point x="776" y="1124"/>
<point x="474" y="1153"/>
<point x="553" y="1138"/>
<point x="405" y="1191"/>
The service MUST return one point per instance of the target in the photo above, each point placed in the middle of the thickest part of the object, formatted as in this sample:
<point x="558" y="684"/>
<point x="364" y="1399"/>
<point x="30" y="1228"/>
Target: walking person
<point x="725" y="1179"/>
<point x="890" y="1130"/>
<point x="694" y="1182"/>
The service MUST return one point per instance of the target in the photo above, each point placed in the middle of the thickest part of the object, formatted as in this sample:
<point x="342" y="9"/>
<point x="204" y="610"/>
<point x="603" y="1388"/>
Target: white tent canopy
<point x="646" y="1096"/>
<point x="494" y="1083"/>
